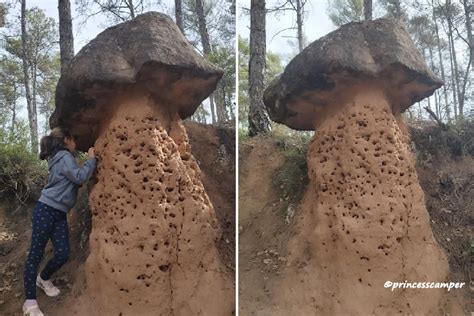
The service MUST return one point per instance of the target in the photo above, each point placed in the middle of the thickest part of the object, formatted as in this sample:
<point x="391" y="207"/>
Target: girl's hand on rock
<point x="91" y="152"/>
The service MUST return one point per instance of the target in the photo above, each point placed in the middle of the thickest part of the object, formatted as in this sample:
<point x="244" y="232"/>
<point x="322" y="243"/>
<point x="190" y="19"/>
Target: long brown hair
<point x="54" y="142"/>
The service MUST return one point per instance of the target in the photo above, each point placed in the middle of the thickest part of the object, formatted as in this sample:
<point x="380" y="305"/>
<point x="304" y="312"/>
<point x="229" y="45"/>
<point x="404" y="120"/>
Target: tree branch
<point x="281" y="31"/>
<point x="279" y="8"/>
<point x="433" y="115"/>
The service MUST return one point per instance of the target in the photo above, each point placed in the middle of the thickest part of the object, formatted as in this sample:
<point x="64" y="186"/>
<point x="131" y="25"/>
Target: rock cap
<point x="149" y="53"/>
<point x="380" y="51"/>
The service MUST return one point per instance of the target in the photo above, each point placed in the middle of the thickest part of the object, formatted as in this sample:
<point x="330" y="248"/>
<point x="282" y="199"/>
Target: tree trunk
<point x="220" y="100"/>
<point x="467" y="12"/>
<point x="436" y="91"/>
<point x="299" y="23"/>
<point x="258" y="121"/>
<point x="131" y="8"/>
<point x="66" y="38"/>
<point x="368" y="10"/>
<point x="32" y="117"/>
<point x="206" y="45"/>
<point x="34" y="90"/>
<point x="398" y="9"/>
<point x="212" y="106"/>
<point x="454" y="73"/>
<point x="178" y="11"/>
<point x="231" y="106"/>
<point x="12" y="129"/>
<point x="453" y="80"/>
<point x="436" y="118"/>
<point x="468" y="7"/>
<point x="441" y="65"/>
<point x="456" y="80"/>
<point x="424" y="57"/>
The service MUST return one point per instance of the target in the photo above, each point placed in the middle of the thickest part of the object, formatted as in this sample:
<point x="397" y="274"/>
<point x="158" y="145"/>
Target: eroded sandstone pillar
<point x="364" y="220"/>
<point x="152" y="245"/>
<point x="152" y="248"/>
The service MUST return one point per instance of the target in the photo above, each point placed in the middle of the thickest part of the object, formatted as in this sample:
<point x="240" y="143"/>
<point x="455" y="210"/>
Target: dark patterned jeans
<point x="48" y="223"/>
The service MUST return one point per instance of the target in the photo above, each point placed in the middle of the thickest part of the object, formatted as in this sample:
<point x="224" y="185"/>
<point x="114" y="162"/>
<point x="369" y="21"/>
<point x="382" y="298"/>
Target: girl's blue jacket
<point x="65" y="178"/>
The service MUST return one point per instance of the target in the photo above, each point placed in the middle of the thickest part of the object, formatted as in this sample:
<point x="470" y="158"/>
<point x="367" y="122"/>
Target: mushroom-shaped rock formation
<point x="152" y="244"/>
<point x="363" y="218"/>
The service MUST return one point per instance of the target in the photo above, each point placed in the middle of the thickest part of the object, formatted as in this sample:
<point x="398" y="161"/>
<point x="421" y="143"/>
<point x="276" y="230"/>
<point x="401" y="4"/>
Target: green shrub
<point x="243" y="135"/>
<point x="433" y="141"/>
<point x="292" y="177"/>
<point x="22" y="174"/>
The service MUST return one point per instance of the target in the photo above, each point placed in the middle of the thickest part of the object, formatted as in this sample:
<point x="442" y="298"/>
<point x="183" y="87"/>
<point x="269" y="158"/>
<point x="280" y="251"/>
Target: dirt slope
<point x="214" y="149"/>
<point x="262" y="231"/>
<point x="264" y="235"/>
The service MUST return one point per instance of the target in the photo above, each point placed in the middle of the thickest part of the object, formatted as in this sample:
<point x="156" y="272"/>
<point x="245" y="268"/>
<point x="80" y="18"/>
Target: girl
<point x="49" y="215"/>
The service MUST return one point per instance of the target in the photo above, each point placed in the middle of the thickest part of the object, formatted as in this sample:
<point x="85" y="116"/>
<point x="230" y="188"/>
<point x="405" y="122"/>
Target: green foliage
<point x="465" y="131"/>
<point x="3" y="14"/>
<point x="244" y="53"/>
<point x="42" y="59"/>
<point x="394" y="9"/>
<point x="220" y="28"/>
<point x="436" y="142"/>
<point x="46" y="87"/>
<point x="243" y="135"/>
<point x="225" y="92"/>
<point x="200" y="115"/>
<point x="292" y="177"/>
<point x="22" y="174"/>
<point x="10" y="83"/>
<point x="344" y="11"/>
<point x="220" y="23"/>
<point x="273" y="68"/>
<point x="42" y="37"/>
<point x="422" y="30"/>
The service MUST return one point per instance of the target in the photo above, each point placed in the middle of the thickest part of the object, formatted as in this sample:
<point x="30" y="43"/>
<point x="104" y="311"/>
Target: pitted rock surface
<point x="152" y="245"/>
<point x="153" y="240"/>
<point x="363" y="220"/>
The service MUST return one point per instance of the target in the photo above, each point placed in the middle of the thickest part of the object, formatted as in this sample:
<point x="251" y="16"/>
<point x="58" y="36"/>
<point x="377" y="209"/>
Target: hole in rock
<point x="164" y="267"/>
